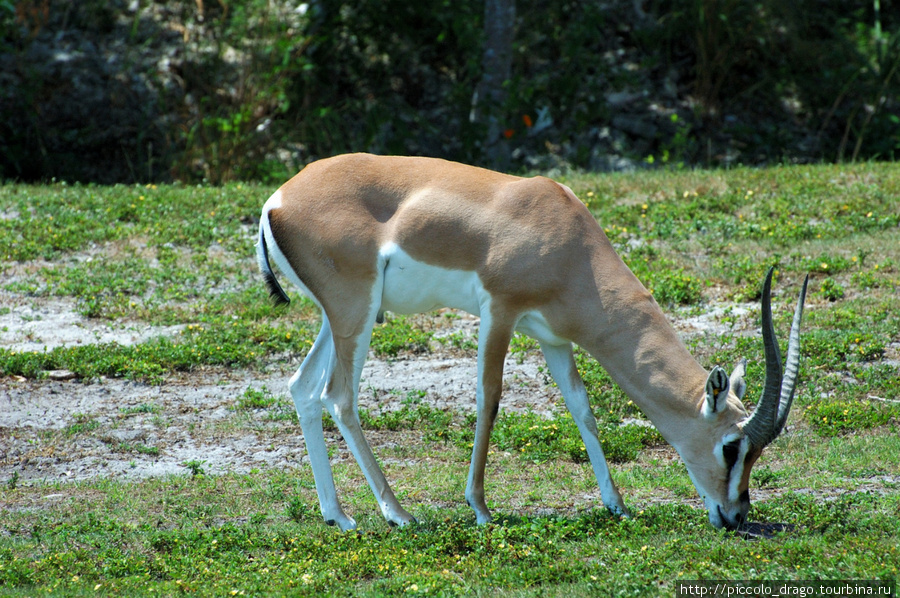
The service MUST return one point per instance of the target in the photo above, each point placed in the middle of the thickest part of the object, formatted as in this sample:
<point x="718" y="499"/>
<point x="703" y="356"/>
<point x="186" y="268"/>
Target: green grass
<point x="182" y="256"/>
<point x="257" y="534"/>
<point x="399" y="333"/>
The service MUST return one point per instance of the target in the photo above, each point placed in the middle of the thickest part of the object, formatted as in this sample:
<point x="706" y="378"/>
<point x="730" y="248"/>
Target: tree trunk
<point x="496" y="66"/>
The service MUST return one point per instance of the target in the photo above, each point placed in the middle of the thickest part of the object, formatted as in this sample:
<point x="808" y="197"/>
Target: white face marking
<point x="736" y="473"/>
<point x="411" y="286"/>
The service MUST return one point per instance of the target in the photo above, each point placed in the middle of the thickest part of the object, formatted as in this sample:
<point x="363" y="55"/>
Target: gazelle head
<point x="719" y="463"/>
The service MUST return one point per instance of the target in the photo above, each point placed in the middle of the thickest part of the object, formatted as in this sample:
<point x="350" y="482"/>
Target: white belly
<point x="412" y="287"/>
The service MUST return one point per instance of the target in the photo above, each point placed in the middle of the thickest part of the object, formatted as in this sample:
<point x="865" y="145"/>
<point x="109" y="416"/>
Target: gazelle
<point x="363" y="234"/>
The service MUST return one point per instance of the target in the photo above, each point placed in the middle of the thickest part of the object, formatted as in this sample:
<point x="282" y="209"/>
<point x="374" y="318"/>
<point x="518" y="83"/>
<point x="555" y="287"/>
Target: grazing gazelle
<point x="363" y="234"/>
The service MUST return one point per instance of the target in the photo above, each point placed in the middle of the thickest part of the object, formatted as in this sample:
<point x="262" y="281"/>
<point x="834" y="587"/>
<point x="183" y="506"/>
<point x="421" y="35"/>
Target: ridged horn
<point x="771" y="412"/>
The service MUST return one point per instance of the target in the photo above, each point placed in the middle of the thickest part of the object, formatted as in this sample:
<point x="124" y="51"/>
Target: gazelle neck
<point x="631" y="338"/>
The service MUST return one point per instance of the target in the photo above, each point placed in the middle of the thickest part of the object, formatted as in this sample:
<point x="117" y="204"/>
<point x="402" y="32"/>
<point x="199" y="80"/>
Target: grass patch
<point x="540" y="439"/>
<point x="84" y="424"/>
<point x="399" y="333"/>
<point x="255" y="399"/>
<point x="142" y="408"/>
<point x="150" y="539"/>
<point x="832" y="418"/>
<point x="221" y="342"/>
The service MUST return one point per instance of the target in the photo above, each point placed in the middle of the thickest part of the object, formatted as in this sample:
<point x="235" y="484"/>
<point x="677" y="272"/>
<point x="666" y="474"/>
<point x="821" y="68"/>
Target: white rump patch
<point x="273" y="202"/>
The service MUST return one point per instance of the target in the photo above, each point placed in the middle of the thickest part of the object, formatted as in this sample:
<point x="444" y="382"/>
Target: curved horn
<point x="793" y="363"/>
<point x="772" y="410"/>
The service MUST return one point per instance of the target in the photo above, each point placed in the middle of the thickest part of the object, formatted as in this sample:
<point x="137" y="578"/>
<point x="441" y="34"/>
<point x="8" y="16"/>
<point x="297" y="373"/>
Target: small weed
<point x="831" y="290"/>
<point x="13" y="481"/>
<point x="258" y="519"/>
<point x="83" y="425"/>
<point x="143" y="449"/>
<point x="874" y="278"/>
<point x="414" y="397"/>
<point x="298" y="510"/>
<point x="255" y="399"/>
<point x="142" y="408"/>
<point x="282" y="412"/>
<point x="521" y="344"/>
<point x="195" y="466"/>
<point x="765" y="477"/>
<point x="460" y="340"/>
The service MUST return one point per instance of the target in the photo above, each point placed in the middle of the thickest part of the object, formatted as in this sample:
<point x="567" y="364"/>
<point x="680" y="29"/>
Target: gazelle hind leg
<point x="306" y="387"/>
<point x="493" y="343"/>
<point x="340" y="398"/>
<point x="562" y="367"/>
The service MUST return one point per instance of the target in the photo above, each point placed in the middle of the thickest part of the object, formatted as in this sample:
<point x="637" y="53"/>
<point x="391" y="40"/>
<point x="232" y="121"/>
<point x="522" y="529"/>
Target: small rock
<point x="61" y="375"/>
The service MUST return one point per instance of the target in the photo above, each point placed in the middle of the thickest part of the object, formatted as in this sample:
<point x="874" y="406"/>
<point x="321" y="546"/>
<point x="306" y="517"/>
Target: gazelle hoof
<point x="344" y="523"/>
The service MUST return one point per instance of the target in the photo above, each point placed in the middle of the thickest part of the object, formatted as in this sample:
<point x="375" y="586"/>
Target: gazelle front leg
<point x="565" y="373"/>
<point x="493" y="344"/>
<point x="306" y="387"/>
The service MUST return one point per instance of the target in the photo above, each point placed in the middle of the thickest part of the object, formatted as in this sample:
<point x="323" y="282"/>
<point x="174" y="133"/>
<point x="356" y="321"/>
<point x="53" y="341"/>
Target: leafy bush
<point x="254" y="90"/>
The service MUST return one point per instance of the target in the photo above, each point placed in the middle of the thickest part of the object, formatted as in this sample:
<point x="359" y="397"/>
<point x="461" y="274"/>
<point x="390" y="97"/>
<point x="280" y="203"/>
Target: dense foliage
<point x="148" y="91"/>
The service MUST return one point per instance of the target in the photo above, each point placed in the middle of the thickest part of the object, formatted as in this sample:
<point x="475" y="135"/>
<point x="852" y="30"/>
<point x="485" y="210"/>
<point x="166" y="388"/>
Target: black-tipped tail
<point x="276" y="293"/>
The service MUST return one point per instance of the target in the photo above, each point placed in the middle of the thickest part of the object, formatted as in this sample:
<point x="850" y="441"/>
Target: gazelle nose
<point x="731" y="523"/>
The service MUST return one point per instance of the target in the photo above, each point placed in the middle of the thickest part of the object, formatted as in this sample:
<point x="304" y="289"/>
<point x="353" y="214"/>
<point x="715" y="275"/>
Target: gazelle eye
<point x="730" y="453"/>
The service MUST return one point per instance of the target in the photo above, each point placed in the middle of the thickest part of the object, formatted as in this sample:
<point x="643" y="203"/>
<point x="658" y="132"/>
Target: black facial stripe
<point x="730" y="453"/>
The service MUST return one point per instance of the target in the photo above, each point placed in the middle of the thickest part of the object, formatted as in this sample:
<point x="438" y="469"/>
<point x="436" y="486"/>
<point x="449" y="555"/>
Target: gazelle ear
<point x="737" y="379"/>
<point x="716" y="391"/>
